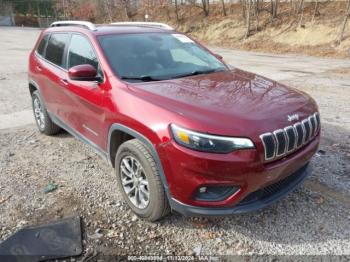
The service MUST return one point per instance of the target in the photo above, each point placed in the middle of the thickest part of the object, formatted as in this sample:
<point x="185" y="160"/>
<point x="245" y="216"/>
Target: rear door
<point x="37" y="65"/>
<point x="53" y="71"/>
<point x="87" y="114"/>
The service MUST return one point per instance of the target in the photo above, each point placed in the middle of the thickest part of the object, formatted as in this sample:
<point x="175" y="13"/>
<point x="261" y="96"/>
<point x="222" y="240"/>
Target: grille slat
<point x="307" y="129"/>
<point x="300" y="131"/>
<point x="313" y="125"/>
<point x="318" y="122"/>
<point x="283" y="141"/>
<point x="269" y="145"/>
<point x="292" y="138"/>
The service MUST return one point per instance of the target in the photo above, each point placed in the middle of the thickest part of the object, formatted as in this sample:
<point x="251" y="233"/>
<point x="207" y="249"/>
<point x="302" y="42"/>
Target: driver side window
<point x="81" y="52"/>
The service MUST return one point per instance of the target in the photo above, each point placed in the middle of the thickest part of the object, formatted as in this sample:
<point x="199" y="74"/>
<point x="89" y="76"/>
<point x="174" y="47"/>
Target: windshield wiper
<point x="141" y="78"/>
<point x="199" y="72"/>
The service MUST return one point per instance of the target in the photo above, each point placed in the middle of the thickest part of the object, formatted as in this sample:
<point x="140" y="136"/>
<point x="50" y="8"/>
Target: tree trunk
<point x="301" y="13"/>
<point x="126" y="8"/>
<point x="248" y="10"/>
<point x="208" y="5"/>
<point x="275" y="9"/>
<point x="316" y="12"/>
<point x="205" y="7"/>
<point x="257" y="10"/>
<point x="271" y="8"/>
<point x="176" y="11"/>
<point x="223" y="7"/>
<point x="108" y="11"/>
<point x="345" y="21"/>
<point x="301" y="6"/>
<point x="243" y="4"/>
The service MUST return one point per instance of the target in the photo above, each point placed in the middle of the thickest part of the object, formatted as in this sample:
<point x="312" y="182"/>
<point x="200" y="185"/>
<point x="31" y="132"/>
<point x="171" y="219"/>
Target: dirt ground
<point x="313" y="220"/>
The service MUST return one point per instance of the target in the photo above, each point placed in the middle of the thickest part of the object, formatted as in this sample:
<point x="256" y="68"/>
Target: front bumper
<point x="254" y="201"/>
<point x="187" y="170"/>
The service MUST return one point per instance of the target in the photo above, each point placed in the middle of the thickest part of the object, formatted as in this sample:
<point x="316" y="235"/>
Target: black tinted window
<point x="42" y="44"/>
<point x="55" y="48"/>
<point x="81" y="52"/>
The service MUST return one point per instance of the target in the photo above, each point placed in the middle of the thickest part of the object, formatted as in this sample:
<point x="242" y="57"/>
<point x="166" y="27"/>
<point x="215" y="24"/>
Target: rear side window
<point x="81" y="52"/>
<point x="55" y="48"/>
<point x="42" y="45"/>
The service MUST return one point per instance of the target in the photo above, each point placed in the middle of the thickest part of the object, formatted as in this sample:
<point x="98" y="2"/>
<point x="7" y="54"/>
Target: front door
<point x="87" y="114"/>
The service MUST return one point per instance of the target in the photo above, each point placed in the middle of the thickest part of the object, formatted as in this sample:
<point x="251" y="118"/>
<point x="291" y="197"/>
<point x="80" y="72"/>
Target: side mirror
<point x="83" y="73"/>
<point x="218" y="56"/>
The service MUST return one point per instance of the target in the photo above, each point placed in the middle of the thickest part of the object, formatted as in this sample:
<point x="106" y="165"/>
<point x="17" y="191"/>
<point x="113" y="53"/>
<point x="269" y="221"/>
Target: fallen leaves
<point x="319" y="200"/>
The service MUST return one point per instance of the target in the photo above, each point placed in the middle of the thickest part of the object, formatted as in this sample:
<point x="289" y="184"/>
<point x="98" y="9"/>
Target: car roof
<point x="110" y="29"/>
<point x="122" y="29"/>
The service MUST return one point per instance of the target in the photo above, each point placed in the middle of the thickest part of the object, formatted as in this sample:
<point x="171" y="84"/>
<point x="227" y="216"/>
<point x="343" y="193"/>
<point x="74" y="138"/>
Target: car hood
<point x="229" y="101"/>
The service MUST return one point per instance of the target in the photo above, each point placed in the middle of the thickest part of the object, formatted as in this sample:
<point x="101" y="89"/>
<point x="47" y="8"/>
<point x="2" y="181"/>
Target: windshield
<point x="157" y="56"/>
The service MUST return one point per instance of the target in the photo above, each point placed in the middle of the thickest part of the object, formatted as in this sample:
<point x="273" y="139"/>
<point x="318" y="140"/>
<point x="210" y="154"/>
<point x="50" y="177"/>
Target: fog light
<point x="203" y="189"/>
<point x="214" y="193"/>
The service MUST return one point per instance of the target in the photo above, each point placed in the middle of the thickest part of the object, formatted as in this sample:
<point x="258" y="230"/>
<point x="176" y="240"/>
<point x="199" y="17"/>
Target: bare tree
<point x="273" y="8"/>
<point x="301" y="12"/>
<point x="176" y="11"/>
<point x="256" y="13"/>
<point x="345" y="21"/>
<point x="316" y="11"/>
<point x="223" y="7"/>
<point x="205" y="7"/>
<point x="291" y="7"/>
<point x="129" y="8"/>
<point x="248" y="17"/>
<point x="301" y="6"/>
<point x="244" y="7"/>
<point x="108" y="10"/>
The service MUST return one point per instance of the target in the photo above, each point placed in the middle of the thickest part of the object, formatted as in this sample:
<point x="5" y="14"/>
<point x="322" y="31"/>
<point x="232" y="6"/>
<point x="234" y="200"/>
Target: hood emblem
<point x="293" y="117"/>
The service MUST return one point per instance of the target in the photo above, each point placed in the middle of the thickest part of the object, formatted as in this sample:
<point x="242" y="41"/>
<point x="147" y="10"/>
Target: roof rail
<point x="86" y="24"/>
<point x="150" y="24"/>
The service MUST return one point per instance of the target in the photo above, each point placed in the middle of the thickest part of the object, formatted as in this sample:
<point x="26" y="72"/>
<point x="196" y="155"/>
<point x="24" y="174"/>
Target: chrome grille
<point x="284" y="141"/>
<point x="300" y="133"/>
<point x="281" y="142"/>
<point x="292" y="138"/>
<point x="306" y="125"/>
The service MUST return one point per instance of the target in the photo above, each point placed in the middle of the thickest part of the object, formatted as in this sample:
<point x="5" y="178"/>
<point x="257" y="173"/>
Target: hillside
<point x="290" y="32"/>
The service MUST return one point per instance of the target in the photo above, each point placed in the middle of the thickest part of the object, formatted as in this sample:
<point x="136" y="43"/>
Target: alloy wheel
<point x="39" y="114"/>
<point x="134" y="182"/>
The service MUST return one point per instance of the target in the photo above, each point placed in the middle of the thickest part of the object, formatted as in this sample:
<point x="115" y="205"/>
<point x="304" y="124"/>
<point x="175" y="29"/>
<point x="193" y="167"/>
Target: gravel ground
<point x="314" y="219"/>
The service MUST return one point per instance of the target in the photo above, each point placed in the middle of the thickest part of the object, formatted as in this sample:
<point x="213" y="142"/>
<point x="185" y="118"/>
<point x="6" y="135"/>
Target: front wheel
<point x="139" y="181"/>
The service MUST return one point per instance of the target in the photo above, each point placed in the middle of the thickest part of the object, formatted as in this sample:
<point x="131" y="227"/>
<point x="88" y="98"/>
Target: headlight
<point x="209" y="143"/>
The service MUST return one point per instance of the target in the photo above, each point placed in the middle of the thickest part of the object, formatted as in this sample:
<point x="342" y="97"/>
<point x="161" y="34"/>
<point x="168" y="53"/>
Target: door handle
<point x="39" y="68"/>
<point x="64" y="82"/>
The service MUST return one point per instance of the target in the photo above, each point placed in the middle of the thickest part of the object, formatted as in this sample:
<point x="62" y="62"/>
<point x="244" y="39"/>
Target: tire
<point x="157" y="206"/>
<point x="42" y="118"/>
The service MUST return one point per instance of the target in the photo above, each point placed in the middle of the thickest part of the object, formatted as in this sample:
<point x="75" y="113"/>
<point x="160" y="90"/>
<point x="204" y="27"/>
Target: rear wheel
<point x="42" y="118"/>
<point x="139" y="181"/>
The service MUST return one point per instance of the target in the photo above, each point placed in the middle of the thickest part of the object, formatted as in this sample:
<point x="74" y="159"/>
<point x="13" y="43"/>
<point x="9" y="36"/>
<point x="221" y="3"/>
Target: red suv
<point x="183" y="131"/>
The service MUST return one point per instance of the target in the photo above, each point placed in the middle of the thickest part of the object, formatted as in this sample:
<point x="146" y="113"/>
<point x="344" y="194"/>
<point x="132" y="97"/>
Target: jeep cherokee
<point x="182" y="130"/>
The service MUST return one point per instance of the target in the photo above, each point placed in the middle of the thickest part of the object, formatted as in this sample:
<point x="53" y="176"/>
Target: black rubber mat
<point x="55" y="240"/>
